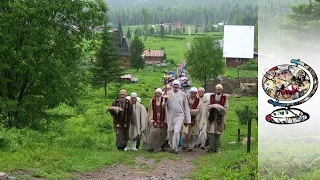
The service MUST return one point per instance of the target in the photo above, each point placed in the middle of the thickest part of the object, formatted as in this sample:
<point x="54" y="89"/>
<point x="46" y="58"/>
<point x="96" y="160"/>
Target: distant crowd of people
<point x="176" y="115"/>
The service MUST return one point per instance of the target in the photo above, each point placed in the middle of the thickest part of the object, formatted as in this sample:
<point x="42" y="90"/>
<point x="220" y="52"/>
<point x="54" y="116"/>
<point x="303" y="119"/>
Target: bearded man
<point x="157" y="122"/>
<point x="218" y="107"/>
<point x="140" y="116"/>
<point x="203" y="116"/>
<point x="178" y="111"/>
<point x="122" y="112"/>
<point x="191" y="131"/>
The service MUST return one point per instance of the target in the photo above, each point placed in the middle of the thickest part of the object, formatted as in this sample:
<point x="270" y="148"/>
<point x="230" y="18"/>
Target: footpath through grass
<point x="81" y="138"/>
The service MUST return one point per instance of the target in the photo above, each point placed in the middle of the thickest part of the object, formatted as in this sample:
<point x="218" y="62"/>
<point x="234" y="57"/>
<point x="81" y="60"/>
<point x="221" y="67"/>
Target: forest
<point x="205" y="12"/>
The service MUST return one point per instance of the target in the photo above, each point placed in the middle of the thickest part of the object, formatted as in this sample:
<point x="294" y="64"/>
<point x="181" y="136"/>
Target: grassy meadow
<point x="174" y="48"/>
<point x="81" y="138"/>
<point x="234" y="162"/>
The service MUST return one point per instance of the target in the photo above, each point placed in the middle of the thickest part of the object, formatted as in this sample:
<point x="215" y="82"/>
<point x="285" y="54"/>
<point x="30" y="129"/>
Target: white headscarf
<point x="128" y="97"/>
<point x="134" y="94"/>
<point x="122" y="91"/>
<point x="219" y="86"/>
<point x="158" y="90"/>
<point x="176" y="82"/>
<point x="194" y="89"/>
<point x="201" y="89"/>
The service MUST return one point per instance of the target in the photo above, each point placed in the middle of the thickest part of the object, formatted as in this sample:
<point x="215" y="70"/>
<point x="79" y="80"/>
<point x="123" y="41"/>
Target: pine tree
<point x="136" y="49"/>
<point x="128" y="34"/>
<point x="170" y="29"/>
<point x="151" y="31"/>
<point x="135" y="33"/>
<point x="120" y="28"/>
<point x="304" y="24"/>
<point x="162" y="30"/>
<point x="106" y="68"/>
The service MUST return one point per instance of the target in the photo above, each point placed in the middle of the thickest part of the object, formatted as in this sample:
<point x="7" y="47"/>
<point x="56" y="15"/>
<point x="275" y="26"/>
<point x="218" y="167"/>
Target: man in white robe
<point x="203" y="115"/>
<point x="177" y="112"/>
<point x="218" y="107"/>
<point x="140" y="115"/>
<point x="191" y="131"/>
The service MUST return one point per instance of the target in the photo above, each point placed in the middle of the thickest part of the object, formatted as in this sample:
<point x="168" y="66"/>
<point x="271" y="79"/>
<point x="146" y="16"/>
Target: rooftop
<point x="153" y="53"/>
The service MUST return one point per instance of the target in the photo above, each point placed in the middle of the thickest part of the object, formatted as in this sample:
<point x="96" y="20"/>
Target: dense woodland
<point x="211" y="14"/>
<point x="205" y="12"/>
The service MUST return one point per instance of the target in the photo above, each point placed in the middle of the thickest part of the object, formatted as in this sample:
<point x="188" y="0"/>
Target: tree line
<point x="211" y="15"/>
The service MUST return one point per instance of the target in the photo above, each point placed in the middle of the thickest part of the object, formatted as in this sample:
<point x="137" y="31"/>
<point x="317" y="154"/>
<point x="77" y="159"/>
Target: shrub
<point x="245" y="113"/>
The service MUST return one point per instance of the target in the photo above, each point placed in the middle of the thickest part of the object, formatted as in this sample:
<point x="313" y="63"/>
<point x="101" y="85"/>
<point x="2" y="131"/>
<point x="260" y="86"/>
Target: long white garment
<point x="174" y="137"/>
<point x="177" y="109"/>
<point x="203" y="115"/>
<point x="144" y="124"/>
<point x="140" y="115"/>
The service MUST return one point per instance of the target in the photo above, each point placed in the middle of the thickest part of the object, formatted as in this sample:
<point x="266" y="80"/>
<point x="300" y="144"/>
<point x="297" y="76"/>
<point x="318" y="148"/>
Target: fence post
<point x="238" y="74"/>
<point x="249" y="136"/>
<point x="238" y="135"/>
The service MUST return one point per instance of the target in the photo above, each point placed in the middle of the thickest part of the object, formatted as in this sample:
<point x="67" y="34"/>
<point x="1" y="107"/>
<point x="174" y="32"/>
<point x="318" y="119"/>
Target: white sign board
<point x="238" y="41"/>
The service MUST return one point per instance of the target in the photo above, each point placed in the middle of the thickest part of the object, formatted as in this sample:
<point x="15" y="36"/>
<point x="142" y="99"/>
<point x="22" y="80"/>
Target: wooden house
<point x="234" y="62"/>
<point x="124" y="48"/>
<point x="153" y="56"/>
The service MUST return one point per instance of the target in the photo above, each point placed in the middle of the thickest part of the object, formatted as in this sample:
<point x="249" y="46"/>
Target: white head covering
<point x="166" y="86"/>
<point x="193" y="89"/>
<point x="201" y="89"/>
<point x="128" y="97"/>
<point x="139" y="99"/>
<point x="219" y="86"/>
<point x="134" y="94"/>
<point x="158" y="90"/>
<point x="176" y="82"/>
<point x="122" y="91"/>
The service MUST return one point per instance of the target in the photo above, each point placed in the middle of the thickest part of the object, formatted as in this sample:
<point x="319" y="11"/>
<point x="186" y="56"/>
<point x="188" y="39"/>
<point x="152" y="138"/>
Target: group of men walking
<point x="194" y="116"/>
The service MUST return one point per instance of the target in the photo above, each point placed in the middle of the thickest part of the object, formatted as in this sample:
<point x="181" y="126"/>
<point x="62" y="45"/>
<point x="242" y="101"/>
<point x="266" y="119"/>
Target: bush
<point x="170" y="61"/>
<point x="245" y="113"/>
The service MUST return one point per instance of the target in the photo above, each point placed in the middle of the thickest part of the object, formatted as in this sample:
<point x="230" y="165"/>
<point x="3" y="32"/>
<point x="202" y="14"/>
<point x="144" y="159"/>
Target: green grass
<point x="85" y="141"/>
<point x="175" y="49"/>
<point x="233" y="73"/>
<point x="233" y="162"/>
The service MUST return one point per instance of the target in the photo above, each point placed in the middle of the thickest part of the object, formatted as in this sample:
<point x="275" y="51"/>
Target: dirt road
<point x="148" y="169"/>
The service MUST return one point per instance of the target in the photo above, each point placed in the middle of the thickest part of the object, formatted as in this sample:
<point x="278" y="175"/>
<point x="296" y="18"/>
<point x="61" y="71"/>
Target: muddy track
<point x="148" y="169"/>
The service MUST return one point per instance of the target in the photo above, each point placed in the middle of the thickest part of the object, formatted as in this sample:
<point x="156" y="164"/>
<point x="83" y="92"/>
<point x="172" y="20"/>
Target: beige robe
<point x="193" y="130"/>
<point x="140" y="115"/>
<point x="215" y="127"/>
<point x="203" y="113"/>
